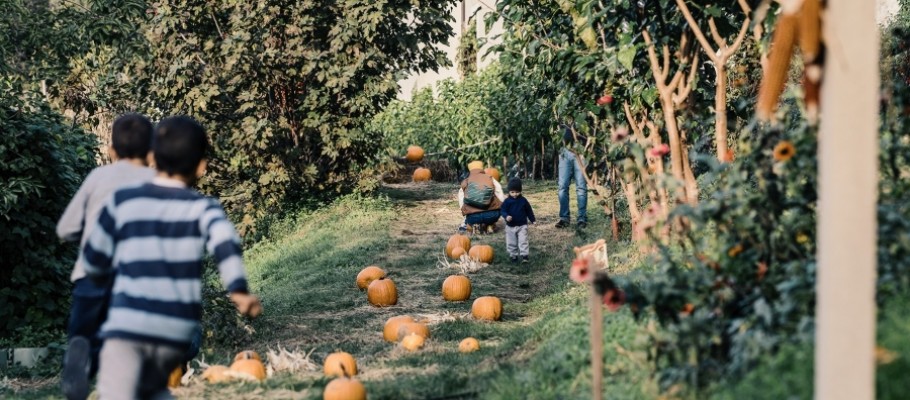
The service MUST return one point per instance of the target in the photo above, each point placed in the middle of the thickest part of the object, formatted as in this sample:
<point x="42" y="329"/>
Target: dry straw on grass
<point x="291" y="361"/>
<point x="464" y="265"/>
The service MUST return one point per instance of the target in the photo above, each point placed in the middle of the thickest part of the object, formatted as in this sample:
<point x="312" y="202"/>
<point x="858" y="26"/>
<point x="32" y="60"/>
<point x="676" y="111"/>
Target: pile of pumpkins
<point x="247" y="365"/>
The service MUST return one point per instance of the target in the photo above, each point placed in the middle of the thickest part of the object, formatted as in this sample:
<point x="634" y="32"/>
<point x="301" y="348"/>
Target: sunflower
<point x="784" y="151"/>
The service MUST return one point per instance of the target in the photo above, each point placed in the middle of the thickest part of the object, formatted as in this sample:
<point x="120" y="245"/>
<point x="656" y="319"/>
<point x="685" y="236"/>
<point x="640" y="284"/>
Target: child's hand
<point x="247" y="304"/>
<point x="508" y="218"/>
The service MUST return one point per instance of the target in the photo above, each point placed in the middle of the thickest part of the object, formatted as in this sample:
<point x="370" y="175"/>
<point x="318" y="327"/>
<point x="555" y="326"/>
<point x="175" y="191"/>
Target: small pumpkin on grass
<point x="413" y="328"/>
<point x="468" y="345"/>
<point x="216" y="374"/>
<point x="339" y="364"/>
<point x="456" y="288"/>
<point x="422" y="175"/>
<point x="368" y="275"/>
<point x="482" y="253"/>
<point x="413" y="342"/>
<point x="174" y="379"/>
<point x="382" y="292"/>
<point x="487" y="308"/>
<point x="247" y="355"/>
<point x="344" y="388"/>
<point x="249" y="368"/>
<point x="456" y="241"/>
<point x="390" y="330"/>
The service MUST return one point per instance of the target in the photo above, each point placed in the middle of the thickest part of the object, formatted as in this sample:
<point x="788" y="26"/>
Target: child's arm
<point x="223" y="243"/>
<point x="98" y="253"/>
<point x="72" y="222"/>
<point x="530" y="211"/>
<point x="503" y="209"/>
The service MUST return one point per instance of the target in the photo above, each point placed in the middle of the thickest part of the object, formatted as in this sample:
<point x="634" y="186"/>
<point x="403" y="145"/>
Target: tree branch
<point x="697" y="30"/>
<point x="655" y="66"/>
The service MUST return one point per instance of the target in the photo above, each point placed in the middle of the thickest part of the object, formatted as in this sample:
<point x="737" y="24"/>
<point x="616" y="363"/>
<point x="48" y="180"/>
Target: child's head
<point x="131" y="136"/>
<point x="514" y="187"/>
<point x="180" y="146"/>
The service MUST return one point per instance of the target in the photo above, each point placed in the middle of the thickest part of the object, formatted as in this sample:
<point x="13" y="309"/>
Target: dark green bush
<point x="42" y="162"/>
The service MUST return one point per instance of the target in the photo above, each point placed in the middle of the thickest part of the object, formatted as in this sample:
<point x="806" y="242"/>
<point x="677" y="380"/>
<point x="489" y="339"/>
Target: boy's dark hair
<point x="131" y="136"/>
<point x="514" y="185"/>
<point x="179" y="145"/>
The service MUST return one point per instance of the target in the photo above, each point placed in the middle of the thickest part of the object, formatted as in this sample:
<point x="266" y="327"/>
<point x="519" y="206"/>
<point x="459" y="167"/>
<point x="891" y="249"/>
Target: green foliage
<point x="484" y="117"/>
<point x="285" y="87"/>
<point x="466" y="54"/>
<point x="44" y="161"/>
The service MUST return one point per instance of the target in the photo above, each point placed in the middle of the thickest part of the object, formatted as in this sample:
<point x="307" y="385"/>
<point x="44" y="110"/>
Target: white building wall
<point x="472" y="7"/>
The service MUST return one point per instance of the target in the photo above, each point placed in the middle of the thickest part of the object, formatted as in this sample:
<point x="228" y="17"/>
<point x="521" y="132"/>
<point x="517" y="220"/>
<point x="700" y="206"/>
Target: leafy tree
<point x="286" y="87"/>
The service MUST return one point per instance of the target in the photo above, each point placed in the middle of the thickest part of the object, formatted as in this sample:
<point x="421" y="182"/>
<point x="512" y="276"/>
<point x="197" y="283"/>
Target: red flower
<point x="605" y="99"/>
<point x="580" y="271"/>
<point x="659" y="150"/>
<point x="614" y="299"/>
<point x="620" y="134"/>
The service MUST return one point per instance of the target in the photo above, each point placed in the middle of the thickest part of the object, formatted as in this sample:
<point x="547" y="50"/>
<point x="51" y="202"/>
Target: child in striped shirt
<point x="154" y="237"/>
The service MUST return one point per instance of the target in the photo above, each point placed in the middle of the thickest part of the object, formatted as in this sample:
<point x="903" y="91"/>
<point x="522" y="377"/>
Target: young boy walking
<point x="131" y="139"/>
<point x="154" y="237"/>
<point x="517" y="212"/>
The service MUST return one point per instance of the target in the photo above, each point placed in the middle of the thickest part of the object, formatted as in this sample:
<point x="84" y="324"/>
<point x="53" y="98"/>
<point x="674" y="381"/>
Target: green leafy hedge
<point x="43" y="161"/>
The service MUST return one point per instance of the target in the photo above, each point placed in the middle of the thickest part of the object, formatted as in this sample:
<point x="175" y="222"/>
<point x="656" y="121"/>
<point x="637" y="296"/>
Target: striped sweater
<point x="155" y="236"/>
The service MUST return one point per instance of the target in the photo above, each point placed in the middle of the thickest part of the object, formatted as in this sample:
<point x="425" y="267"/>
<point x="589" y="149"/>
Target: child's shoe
<point x="525" y="260"/>
<point x="514" y="260"/>
<point x="76" y="365"/>
<point x="462" y="228"/>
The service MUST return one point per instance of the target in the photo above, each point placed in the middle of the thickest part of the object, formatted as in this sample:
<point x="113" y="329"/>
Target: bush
<point x="44" y="161"/>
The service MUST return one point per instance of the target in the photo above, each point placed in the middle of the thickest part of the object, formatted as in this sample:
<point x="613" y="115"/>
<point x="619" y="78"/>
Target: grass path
<point x="306" y="280"/>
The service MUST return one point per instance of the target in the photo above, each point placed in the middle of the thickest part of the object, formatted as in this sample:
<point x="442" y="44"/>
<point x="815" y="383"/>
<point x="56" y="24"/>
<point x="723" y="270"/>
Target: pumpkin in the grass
<point x="413" y="328"/>
<point x="174" y="379"/>
<point x="216" y="373"/>
<point x="482" y="253"/>
<point x="456" y="288"/>
<point x="493" y="173"/>
<point x="415" y="154"/>
<point x="468" y="345"/>
<point x="457" y="253"/>
<point x="390" y="330"/>
<point x="456" y="241"/>
<point x="340" y="364"/>
<point x="382" y="292"/>
<point x="487" y="308"/>
<point x="422" y="175"/>
<point x="250" y="368"/>
<point x="368" y="275"/>
<point x="247" y="355"/>
<point x="344" y="389"/>
<point x="413" y="342"/>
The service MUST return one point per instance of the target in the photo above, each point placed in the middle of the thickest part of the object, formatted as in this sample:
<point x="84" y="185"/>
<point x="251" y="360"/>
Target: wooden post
<point x="597" y="357"/>
<point x="848" y="143"/>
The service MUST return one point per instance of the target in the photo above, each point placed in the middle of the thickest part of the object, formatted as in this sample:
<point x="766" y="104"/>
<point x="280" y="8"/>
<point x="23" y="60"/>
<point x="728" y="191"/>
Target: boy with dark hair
<point x="517" y="212"/>
<point x="154" y="237"/>
<point x="131" y="140"/>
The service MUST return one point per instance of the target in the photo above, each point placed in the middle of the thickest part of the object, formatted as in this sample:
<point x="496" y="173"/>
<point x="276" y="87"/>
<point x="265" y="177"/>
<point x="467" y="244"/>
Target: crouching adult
<point x="480" y="198"/>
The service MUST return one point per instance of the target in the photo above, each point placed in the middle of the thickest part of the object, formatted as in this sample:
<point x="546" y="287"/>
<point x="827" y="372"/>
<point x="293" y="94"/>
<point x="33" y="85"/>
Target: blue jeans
<point x="485" y="217"/>
<point x="568" y="169"/>
<point x="87" y="312"/>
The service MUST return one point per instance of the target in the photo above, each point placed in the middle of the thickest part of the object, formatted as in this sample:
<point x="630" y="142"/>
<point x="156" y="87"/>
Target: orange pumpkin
<point x="390" y="330"/>
<point x="216" y="374"/>
<point x="340" y="364"/>
<point x="487" y="308"/>
<point x="456" y="241"/>
<point x="250" y="368"/>
<point x="456" y="288"/>
<point x="344" y="389"/>
<point x="413" y="328"/>
<point x="457" y="253"/>
<point x="422" y="175"/>
<point x="415" y="154"/>
<point x="468" y="345"/>
<point x="413" y="342"/>
<point x="174" y="379"/>
<point x="382" y="292"/>
<point x="247" y="355"/>
<point x="482" y="253"/>
<point x="369" y="274"/>
<point x="493" y="173"/>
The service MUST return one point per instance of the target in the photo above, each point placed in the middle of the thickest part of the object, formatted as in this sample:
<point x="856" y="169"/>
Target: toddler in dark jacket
<point x="517" y="212"/>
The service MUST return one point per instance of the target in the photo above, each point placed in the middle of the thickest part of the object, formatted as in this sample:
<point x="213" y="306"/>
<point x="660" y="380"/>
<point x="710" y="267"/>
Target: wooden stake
<point x="597" y="359"/>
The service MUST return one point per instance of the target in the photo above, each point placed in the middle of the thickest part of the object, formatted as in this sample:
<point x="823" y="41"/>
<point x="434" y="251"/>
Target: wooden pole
<point x="597" y="359"/>
<point x="848" y="143"/>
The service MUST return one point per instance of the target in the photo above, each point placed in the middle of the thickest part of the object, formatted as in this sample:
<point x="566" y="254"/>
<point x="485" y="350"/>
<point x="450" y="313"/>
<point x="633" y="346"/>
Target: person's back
<point x="479" y="198"/>
<point x="154" y="237"/>
<point x="131" y="138"/>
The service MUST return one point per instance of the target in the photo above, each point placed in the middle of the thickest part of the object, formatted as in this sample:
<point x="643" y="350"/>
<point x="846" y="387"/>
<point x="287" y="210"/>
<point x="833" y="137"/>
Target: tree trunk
<point x="720" y="111"/>
<point x="676" y="148"/>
